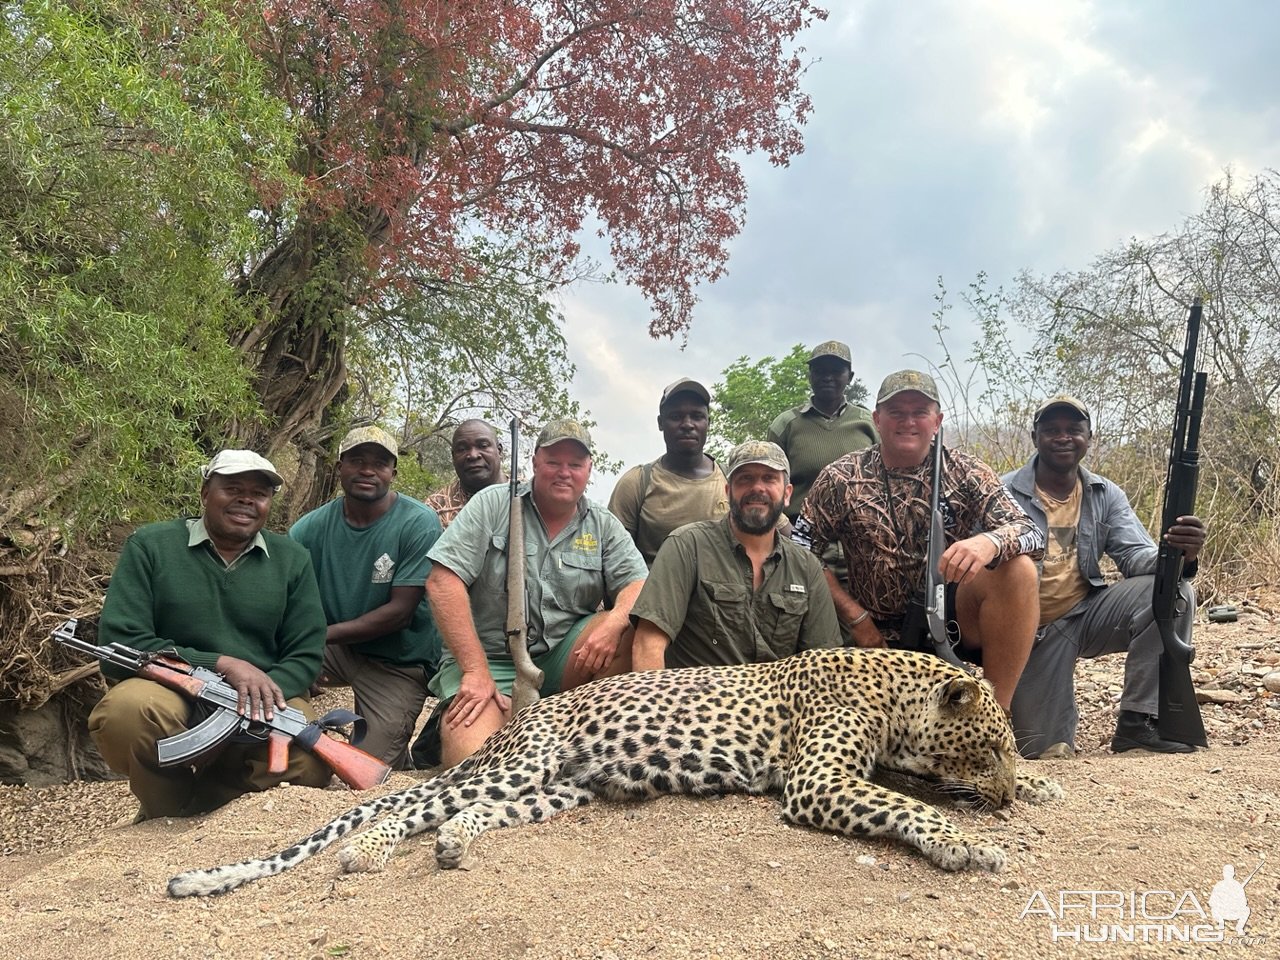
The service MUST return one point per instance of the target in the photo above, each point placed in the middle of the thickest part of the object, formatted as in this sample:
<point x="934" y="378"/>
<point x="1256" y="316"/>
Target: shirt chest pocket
<point x="786" y="611"/>
<point x="730" y="605"/>
<point x="580" y="578"/>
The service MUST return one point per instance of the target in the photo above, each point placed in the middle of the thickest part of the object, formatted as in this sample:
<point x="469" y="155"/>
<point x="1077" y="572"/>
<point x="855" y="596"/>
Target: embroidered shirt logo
<point x="382" y="568"/>
<point x="586" y="542"/>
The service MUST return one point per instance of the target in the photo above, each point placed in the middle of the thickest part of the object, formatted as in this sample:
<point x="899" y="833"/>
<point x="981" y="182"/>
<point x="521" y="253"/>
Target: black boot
<point x="1138" y="731"/>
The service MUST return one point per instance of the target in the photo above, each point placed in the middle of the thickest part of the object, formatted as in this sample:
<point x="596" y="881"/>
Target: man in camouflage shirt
<point x="875" y="503"/>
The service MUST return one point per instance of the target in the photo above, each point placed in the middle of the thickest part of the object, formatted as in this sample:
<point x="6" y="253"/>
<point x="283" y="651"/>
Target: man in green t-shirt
<point x="683" y="485"/>
<point x="224" y="594"/>
<point x="733" y="591"/>
<point x="369" y="548"/>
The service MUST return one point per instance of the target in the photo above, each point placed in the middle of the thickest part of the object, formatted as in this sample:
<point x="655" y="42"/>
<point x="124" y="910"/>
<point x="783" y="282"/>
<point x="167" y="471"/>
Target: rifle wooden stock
<point x="528" y="682"/>
<point x="354" y="767"/>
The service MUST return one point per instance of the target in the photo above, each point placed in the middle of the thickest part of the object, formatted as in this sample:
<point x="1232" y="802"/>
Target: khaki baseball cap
<point x="831" y="348"/>
<point x="375" y="435"/>
<point x="230" y="462"/>
<point x="757" y="451"/>
<point x="1061" y="400"/>
<point x="685" y="385"/>
<point x="558" y="430"/>
<point x="904" y="380"/>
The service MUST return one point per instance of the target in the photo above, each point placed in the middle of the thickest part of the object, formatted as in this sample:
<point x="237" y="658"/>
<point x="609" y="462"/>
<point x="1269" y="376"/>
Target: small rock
<point x="1271" y="682"/>
<point x="866" y="859"/>
<point x="1206" y="695"/>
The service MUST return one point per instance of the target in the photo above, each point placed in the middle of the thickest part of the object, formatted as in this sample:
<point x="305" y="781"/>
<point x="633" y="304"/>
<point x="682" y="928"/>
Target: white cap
<point x="240" y="461"/>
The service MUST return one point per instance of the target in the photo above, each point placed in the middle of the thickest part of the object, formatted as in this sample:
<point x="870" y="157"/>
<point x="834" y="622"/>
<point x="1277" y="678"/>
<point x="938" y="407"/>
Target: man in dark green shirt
<point x="222" y="594"/>
<point x="825" y="428"/>
<point x="732" y="591"/>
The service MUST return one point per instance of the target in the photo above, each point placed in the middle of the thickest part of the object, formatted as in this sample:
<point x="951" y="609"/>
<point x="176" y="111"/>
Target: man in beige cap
<point x="827" y="427"/>
<point x="875" y="502"/>
<point x="1083" y="517"/>
<point x="577" y="556"/>
<point x="682" y="485"/>
<point x="732" y="590"/>
<point x="223" y="594"/>
<point x="369" y="548"/>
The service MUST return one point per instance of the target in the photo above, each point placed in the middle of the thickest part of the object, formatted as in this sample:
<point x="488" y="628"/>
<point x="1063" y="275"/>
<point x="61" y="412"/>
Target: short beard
<point x="753" y="527"/>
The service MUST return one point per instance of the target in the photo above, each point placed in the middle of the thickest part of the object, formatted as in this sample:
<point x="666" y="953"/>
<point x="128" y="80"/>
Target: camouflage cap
<point x="904" y="380"/>
<point x="684" y="385"/>
<point x="831" y="348"/>
<point x="229" y="462"/>
<point x="757" y="451"/>
<point x="375" y="435"/>
<point x="1061" y="400"/>
<point x="558" y="430"/>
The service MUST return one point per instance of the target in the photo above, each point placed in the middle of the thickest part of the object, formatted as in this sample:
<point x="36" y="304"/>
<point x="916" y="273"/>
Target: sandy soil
<point x="697" y="878"/>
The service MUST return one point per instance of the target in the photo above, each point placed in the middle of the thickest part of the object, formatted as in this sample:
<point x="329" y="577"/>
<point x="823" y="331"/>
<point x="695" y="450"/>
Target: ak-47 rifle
<point x="528" y="683"/>
<point x="935" y="586"/>
<point x="287" y="725"/>
<point x="1179" y="717"/>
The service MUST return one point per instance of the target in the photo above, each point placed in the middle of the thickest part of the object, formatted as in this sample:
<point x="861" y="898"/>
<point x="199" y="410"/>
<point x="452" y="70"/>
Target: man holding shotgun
<point x="226" y="595"/>
<point x="876" y="504"/>
<point x="1085" y="516"/>
<point x="577" y="556"/>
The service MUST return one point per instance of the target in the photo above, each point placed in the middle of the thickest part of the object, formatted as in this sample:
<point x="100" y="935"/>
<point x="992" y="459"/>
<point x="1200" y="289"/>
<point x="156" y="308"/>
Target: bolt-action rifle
<point x="528" y="683"/>
<point x="1179" y="717"/>
<point x="287" y="725"/>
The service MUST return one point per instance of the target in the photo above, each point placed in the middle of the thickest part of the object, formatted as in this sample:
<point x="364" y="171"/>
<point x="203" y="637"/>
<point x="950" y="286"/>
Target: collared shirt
<point x="701" y="594"/>
<point x="198" y="533"/>
<point x="566" y="578"/>
<point x="1107" y="525"/>
<point x="884" y="532"/>
<point x="811" y="440"/>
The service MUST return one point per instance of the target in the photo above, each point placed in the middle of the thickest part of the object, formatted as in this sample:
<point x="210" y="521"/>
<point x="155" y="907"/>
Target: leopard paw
<point x="969" y="853"/>
<point x="364" y="854"/>
<point x="1033" y="788"/>
<point x="450" y="849"/>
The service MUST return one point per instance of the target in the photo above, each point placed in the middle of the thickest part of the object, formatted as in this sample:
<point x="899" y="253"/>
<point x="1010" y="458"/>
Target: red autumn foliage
<point x="423" y="120"/>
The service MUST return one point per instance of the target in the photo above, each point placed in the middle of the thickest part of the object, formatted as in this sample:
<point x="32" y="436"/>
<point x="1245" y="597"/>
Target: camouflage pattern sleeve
<point x="987" y="506"/>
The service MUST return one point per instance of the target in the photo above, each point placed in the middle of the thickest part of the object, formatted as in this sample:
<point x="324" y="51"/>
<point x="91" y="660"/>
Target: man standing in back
<point x="681" y="486"/>
<point x="477" y="463"/>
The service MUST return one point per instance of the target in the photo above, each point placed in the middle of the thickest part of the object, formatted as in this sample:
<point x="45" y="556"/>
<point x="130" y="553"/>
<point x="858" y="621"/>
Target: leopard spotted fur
<point x="812" y="727"/>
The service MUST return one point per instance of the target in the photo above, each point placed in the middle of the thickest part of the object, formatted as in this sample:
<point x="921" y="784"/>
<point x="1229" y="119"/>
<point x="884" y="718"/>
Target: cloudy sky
<point x="950" y="137"/>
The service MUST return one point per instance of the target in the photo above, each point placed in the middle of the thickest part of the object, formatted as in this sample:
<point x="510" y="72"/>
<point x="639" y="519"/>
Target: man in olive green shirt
<point x="826" y="427"/>
<point x="732" y="591"/>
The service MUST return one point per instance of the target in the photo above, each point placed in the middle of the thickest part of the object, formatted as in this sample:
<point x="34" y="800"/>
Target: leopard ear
<point x="958" y="696"/>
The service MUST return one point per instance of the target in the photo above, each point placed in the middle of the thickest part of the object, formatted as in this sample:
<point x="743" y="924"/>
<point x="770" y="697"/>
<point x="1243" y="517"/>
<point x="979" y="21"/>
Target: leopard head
<point x="957" y="737"/>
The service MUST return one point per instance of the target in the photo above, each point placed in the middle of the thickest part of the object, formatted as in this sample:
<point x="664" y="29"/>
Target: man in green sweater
<point x="222" y="594"/>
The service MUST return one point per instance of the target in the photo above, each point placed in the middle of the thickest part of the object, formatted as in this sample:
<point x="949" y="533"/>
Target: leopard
<point x="811" y="728"/>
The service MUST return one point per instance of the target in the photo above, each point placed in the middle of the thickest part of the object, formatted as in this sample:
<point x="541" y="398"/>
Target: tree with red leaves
<point x="425" y="124"/>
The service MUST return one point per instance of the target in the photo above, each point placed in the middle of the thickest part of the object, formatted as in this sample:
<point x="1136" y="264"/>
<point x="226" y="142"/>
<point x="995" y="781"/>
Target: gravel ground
<point x="695" y="878"/>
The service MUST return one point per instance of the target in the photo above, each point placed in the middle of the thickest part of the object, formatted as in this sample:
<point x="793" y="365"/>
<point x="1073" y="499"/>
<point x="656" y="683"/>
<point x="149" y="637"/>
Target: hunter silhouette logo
<point x="1228" y="902"/>
<point x="1148" y="916"/>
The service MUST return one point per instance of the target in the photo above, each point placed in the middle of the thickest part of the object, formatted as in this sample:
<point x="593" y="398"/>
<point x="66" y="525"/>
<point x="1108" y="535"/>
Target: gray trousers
<point x="388" y="696"/>
<point x="1112" y="620"/>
